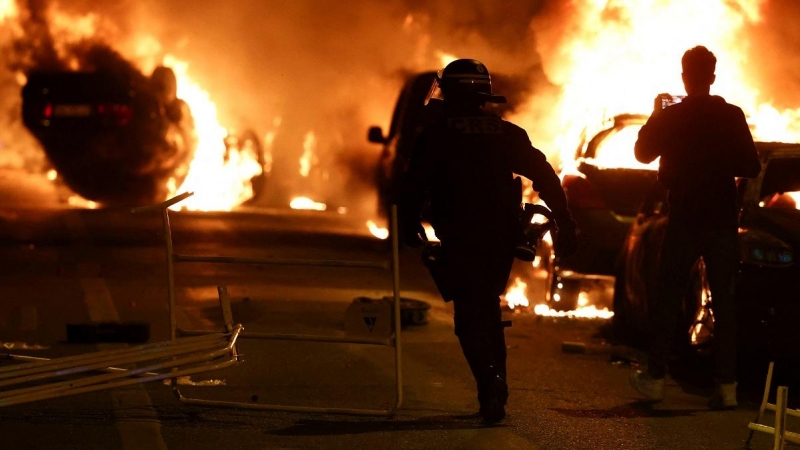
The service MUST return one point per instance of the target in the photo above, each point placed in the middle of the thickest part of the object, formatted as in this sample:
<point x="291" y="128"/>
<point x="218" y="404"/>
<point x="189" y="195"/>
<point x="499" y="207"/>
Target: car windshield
<point x="781" y="186"/>
<point x="616" y="150"/>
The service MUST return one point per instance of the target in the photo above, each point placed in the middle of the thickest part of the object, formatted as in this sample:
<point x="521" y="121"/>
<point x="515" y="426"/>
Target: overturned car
<point x="115" y="137"/>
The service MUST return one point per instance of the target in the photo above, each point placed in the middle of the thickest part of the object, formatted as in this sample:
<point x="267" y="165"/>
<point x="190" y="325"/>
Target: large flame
<point x="220" y="179"/>
<point x="621" y="54"/>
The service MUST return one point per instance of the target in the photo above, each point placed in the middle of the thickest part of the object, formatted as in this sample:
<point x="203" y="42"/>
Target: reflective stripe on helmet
<point x="466" y="75"/>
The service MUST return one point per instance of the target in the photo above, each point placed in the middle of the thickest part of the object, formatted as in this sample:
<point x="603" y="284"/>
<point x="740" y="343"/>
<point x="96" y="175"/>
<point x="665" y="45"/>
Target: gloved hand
<point x="413" y="234"/>
<point x="566" y="243"/>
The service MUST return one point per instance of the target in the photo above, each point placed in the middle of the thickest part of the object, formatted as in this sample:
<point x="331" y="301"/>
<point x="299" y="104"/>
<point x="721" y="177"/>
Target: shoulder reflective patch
<point x="476" y="125"/>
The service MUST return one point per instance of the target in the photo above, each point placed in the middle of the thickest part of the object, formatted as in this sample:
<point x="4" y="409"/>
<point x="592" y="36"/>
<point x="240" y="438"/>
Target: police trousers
<point x="475" y="278"/>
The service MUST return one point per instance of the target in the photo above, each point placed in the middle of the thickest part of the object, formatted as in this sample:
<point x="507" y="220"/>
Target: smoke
<point x="334" y="68"/>
<point x="776" y="52"/>
<point x="30" y="46"/>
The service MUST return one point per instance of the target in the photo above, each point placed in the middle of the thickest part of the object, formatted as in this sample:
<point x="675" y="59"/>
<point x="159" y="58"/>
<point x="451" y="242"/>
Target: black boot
<point x="493" y="395"/>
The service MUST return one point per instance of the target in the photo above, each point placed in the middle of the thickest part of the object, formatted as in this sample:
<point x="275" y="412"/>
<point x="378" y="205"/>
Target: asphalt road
<point x="61" y="265"/>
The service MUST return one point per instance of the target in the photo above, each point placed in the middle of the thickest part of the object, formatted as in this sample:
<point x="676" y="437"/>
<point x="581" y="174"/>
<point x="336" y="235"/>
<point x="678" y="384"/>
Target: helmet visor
<point x="435" y="92"/>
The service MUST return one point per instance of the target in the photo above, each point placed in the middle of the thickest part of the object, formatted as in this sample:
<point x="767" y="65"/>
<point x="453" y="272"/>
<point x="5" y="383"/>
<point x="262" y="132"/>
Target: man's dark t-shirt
<point x="704" y="144"/>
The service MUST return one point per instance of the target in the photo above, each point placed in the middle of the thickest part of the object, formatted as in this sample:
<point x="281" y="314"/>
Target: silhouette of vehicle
<point x="117" y="138"/>
<point x="410" y="116"/>
<point x="604" y="194"/>
<point x="768" y="276"/>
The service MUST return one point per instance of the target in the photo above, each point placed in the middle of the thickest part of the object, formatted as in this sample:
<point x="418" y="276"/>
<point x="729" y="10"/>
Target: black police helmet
<point x="467" y="79"/>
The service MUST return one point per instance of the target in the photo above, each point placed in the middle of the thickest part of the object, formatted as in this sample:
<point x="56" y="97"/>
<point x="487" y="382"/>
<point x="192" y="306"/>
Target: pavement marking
<point x="136" y="419"/>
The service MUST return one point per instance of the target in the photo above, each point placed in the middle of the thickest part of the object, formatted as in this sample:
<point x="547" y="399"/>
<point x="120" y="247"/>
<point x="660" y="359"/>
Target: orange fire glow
<point x="515" y="295"/>
<point x="8" y="10"/>
<point x="377" y="231"/>
<point x="784" y="200"/>
<point x="77" y="201"/>
<point x="219" y="183"/>
<point x="307" y="203"/>
<point x="309" y="158"/>
<point x="796" y="197"/>
<point x="619" y="57"/>
<point x="584" y="312"/>
<point x="219" y="179"/>
<point x="615" y="151"/>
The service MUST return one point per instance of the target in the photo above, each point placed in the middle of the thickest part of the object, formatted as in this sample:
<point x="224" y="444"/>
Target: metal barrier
<point x="392" y="341"/>
<point x="41" y="378"/>
<point x="782" y="412"/>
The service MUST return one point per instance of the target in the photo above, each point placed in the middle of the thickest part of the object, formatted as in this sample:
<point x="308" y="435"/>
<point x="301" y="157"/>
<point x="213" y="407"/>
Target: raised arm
<point x="649" y="145"/>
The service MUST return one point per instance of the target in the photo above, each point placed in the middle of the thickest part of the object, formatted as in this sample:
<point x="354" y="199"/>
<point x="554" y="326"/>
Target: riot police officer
<point x="463" y="172"/>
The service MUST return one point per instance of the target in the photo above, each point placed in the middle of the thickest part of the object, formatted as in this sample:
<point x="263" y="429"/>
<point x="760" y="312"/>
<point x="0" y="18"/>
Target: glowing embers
<point x="307" y="203"/>
<point x="377" y="231"/>
<point x="585" y="304"/>
<point x="515" y="295"/>
<point x="583" y="310"/>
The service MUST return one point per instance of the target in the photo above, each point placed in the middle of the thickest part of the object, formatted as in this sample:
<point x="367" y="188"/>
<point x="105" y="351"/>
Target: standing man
<point x="463" y="168"/>
<point x="704" y="144"/>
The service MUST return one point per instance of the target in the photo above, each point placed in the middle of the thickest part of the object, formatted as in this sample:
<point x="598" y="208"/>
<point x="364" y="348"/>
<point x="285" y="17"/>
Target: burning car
<point x="604" y="192"/>
<point x="115" y="137"/>
<point x="768" y="276"/>
<point x="409" y="118"/>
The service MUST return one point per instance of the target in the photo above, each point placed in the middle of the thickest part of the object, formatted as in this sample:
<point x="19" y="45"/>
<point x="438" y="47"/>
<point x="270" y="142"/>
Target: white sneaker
<point x="724" y="397"/>
<point x="652" y="388"/>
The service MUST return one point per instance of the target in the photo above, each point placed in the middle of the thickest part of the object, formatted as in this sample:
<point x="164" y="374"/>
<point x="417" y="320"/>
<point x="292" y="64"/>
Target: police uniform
<point x="463" y="169"/>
